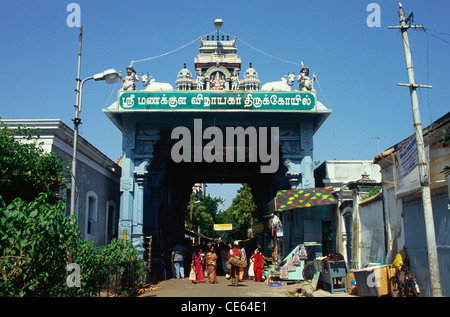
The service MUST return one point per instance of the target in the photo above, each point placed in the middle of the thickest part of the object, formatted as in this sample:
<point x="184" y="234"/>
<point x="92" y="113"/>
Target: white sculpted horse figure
<point x="152" y="85"/>
<point x="284" y="85"/>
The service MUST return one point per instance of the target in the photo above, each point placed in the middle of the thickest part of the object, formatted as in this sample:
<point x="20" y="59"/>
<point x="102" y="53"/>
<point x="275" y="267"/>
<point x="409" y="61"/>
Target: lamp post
<point x="110" y="76"/>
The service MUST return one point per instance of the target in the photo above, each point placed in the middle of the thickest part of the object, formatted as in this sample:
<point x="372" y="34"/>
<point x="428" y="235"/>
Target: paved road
<point x="184" y="288"/>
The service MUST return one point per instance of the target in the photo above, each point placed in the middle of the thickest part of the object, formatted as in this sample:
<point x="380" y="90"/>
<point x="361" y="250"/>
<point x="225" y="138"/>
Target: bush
<point x="35" y="241"/>
<point x="116" y="263"/>
<point x="35" y="236"/>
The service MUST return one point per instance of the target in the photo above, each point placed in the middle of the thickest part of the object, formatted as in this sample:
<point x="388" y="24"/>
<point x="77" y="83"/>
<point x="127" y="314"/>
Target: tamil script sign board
<point x="223" y="227"/>
<point x="217" y="100"/>
<point x="406" y="168"/>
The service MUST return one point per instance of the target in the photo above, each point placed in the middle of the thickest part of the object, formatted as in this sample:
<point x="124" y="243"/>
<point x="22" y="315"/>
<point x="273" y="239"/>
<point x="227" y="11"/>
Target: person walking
<point x="243" y="269"/>
<point x="177" y="259"/>
<point x="234" y="258"/>
<point x="251" y="271"/>
<point x="211" y="265"/>
<point x="258" y="259"/>
<point x="198" y="265"/>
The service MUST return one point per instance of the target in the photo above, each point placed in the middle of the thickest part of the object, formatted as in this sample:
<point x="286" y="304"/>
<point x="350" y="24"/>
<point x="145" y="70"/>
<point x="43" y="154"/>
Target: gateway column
<point x="138" y="145"/>
<point x="296" y="144"/>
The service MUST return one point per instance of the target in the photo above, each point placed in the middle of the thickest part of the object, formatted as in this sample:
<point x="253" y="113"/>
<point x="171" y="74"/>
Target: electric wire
<point x="280" y="59"/>
<point x="435" y="36"/>
<point x="238" y="38"/>
<point x="172" y="51"/>
<point x="438" y="32"/>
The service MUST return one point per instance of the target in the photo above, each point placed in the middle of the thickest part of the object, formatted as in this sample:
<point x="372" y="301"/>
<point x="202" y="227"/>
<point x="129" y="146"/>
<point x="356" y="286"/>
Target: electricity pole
<point x="76" y="123"/>
<point x="378" y="142"/>
<point x="423" y="165"/>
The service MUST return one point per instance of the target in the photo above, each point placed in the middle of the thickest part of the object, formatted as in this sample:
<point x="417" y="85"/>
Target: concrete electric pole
<point x="423" y="165"/>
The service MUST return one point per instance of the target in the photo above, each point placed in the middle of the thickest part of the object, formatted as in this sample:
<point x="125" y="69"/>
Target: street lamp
<point x="110" y="76"/>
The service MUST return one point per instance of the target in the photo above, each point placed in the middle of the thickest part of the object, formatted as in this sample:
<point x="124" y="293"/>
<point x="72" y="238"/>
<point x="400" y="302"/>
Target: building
<point x="172" y="139"/>
<point x="402" y="207"/>
<point x="324" y="214"/>
<point x="98" y="178"/>
<point x="351" y="180"/>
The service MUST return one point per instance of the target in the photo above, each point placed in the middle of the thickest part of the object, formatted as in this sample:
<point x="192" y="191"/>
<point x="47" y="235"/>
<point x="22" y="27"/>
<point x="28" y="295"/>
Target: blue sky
<point x="357" y="67"/>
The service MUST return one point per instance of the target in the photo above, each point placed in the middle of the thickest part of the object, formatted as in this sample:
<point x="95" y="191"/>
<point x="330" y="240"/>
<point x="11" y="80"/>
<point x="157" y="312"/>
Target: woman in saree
<point x="211" y="265"/>
<point x="197" y="262"/>
<point x="258" y="259"/>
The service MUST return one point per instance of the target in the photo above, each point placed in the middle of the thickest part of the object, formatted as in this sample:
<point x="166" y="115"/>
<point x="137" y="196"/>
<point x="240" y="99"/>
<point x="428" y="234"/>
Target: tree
<point x="26" y="170"/>
<point x="240" y="214"/>
<point x="204" y="214"/>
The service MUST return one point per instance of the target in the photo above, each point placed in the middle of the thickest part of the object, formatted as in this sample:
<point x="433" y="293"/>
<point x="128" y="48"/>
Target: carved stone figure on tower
<point x="150" y="84"/>
<point x="128" y="83"/>
<point x="235" y="81"/>
<point x="218" y="82"/>
<point x="284" y="85"/>
<point x="200" y="81"/>
<point x="303" y="78"/>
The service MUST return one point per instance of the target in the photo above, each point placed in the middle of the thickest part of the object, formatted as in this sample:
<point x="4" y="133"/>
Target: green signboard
<point x="217" y="100"/>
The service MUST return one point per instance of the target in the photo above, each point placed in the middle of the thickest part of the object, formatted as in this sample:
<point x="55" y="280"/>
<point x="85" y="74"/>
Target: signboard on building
<point x="215" y="100"/>
<point x="223" y="227"/>
<point x="406" y="168"/>
<point x="258" y="227"/>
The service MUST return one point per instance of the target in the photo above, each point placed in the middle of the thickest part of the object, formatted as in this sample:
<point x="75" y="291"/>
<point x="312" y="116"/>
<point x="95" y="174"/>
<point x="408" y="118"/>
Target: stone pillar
<point x="137" y="235"/>
<point x="296" y="143"/>
<point x="127" y="181"/>
<point x="307" y="163"/>
<point x="138" y="145"/>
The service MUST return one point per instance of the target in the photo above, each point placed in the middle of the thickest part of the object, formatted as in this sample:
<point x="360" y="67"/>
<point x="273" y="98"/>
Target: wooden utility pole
<point x="421" y="155"/>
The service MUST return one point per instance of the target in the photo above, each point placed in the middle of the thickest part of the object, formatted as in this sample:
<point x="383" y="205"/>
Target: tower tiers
<point x="217" y="64"/>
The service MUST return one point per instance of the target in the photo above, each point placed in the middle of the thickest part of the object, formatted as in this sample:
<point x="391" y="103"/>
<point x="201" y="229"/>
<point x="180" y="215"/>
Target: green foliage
<point x="35" y="236"/>
<point x="34" y="239"/>
<point x="374" y="191"/>
<point x="26" y="170"/>
<point x="204" y="214"/>
<point x="240" y="213"/>
<point x="100" y="265"/>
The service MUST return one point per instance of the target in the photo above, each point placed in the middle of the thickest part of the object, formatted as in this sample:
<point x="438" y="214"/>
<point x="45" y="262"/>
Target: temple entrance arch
<point x="155" y="189"/>
<point x="172" y="139"/>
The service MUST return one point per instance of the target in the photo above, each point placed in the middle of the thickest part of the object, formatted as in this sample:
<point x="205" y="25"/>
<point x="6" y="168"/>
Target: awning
<point x="301" y="198"/>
